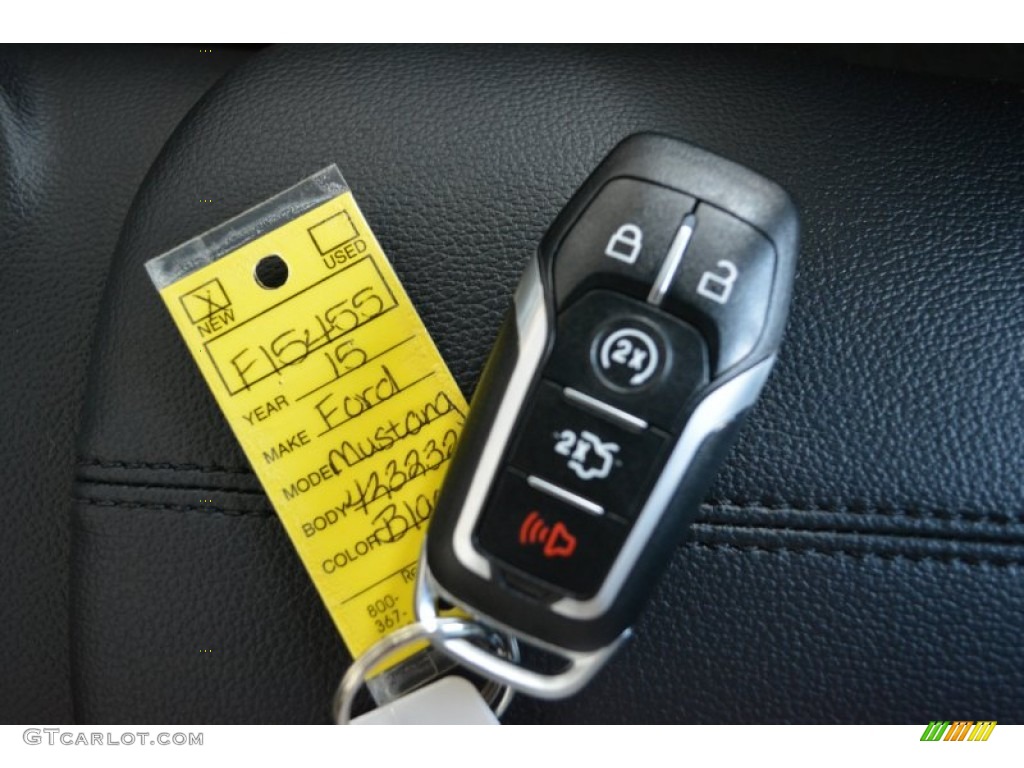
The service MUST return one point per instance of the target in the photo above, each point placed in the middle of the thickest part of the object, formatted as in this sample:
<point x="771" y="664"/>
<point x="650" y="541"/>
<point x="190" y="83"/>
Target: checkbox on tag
<point x="205" y="301"/>
<point x="332" y="233"/>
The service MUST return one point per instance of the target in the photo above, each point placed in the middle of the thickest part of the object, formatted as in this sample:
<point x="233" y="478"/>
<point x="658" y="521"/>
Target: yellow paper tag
<point x="339" y="398"/>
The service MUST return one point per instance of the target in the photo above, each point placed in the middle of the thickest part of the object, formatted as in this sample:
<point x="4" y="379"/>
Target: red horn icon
<point x="557" y="540"/>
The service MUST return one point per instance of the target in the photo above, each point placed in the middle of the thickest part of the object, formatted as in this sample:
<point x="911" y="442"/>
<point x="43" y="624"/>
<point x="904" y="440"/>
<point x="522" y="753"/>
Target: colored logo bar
<point x="958" y="730"/>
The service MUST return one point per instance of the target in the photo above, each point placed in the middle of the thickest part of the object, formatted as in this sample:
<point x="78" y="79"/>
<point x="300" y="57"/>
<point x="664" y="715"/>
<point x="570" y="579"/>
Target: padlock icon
<point x="718" y="287"/>
<point x="625" y="244"/>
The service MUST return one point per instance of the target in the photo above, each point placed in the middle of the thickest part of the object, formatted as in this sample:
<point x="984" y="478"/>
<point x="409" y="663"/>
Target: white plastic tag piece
<point x="448" y="701"/>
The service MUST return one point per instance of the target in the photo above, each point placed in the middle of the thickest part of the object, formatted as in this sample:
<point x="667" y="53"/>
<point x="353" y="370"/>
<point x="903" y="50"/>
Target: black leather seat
<point x="79" y="129"/>
<point x="860" y="558"/>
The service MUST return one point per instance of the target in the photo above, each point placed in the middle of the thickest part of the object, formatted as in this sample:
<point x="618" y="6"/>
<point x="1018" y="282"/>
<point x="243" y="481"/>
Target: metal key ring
<point x="443" y="629"/>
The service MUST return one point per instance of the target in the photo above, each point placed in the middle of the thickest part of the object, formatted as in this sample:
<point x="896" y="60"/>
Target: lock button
<point x="620" y="240"/>
<point x="625" y="244"/>
<point x="724" y="284"/>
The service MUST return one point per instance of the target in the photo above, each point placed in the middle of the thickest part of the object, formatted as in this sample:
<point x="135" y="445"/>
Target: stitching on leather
<point x="162" y="487"/>
<point x="795" y="551"/>
<point x="213" y="468"/>
<point x="868" y="527"/>
<point x="837" y="553"/>
<point x="719" y="503"/>
<point x="173" y="507"/>
<point x="756" y="526"/>
<point x="839" y="507"/>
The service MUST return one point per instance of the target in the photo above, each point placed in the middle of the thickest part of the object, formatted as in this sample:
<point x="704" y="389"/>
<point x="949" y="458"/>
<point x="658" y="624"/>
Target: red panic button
<point x="556" y="541"/>
<point x="533" y="534"/>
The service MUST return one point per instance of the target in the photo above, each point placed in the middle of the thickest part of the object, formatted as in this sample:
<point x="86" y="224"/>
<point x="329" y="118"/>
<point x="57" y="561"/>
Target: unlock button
<point x="723" y="284"/>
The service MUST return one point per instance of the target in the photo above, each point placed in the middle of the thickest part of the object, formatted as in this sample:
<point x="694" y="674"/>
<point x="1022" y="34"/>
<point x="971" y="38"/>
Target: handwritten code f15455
<point x="339" y="398"/>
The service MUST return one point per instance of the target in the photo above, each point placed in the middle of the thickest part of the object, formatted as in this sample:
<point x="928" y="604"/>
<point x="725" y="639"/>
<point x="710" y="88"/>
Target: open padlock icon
<point x="625" y="243"/>
<point x="718" y="287"/>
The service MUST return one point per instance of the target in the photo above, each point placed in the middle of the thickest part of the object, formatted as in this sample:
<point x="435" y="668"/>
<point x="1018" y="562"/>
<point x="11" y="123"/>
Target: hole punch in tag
<point x="332" y="385"/>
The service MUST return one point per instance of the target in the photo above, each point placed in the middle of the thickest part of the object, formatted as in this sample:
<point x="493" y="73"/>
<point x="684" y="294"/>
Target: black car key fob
<point x="641" y="333"/>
